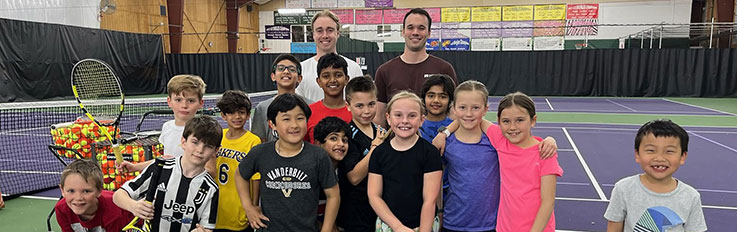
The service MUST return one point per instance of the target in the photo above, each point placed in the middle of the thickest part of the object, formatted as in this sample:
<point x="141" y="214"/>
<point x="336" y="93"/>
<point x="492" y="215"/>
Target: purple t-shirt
<point x="472" y="199"/>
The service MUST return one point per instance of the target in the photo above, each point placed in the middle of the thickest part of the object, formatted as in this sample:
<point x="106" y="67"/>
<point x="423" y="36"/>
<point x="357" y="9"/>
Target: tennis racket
<point x="157" y="166"/>
<point x="100" y="96"/>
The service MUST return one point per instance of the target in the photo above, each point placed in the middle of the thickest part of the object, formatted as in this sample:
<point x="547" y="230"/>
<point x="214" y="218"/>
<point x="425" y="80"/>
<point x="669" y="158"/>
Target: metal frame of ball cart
<point x="129" y="138"/>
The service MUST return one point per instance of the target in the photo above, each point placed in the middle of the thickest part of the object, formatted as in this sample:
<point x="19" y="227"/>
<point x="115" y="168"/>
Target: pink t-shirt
<point x="520" y="173"/>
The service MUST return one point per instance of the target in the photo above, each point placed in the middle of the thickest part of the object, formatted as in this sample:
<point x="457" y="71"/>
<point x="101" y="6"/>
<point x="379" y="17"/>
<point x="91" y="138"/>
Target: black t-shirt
<point x="289" y="187"/>
<point x="403" y="177"/>
<point x="355" y="212"/>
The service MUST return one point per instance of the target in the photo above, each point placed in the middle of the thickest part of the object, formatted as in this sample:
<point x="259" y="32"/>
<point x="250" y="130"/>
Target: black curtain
<point x="36" y="59"/>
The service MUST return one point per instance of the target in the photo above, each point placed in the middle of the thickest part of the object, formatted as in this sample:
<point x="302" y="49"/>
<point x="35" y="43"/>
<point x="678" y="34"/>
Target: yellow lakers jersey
<point x="231" y="215"/>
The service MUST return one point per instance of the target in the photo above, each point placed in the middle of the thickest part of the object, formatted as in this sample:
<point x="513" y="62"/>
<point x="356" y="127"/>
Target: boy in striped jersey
<point x="186" y="195"/>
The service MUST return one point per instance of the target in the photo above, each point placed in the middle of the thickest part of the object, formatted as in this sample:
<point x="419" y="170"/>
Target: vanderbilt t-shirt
<point x="290" y="186"/>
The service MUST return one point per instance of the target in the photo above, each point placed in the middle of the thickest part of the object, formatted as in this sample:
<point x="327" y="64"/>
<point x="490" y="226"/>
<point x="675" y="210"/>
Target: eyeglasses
<point x="291" y="68"/>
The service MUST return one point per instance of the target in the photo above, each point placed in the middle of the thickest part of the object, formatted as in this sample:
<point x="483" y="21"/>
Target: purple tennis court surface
<point x="608" y="152"/>
<point x="615" y="105"/>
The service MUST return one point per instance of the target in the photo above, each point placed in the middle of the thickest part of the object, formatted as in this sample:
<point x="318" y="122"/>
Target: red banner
<point x="368" y="16"/>
<point x="394" y="16"/>
<point x="344" y="16"/>
<point x="582" y="11"/>
<point x="434" y="14"/>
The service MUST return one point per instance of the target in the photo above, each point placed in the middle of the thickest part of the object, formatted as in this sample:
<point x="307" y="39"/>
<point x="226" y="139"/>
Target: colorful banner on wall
<point x="456" y="14"/>
<point x="432" y="44"/>
<point x="549" y="28"/>
<point x="291" y="4"/>
<point x="309" y="48"/>
<point x="434" y="32"/>
<point x="324" y="3"/>
<point x="486" y="14"/>
<point x="450" y="31"/>
<point x="368" y="16"/>
<point x="291" y="19"/>
<point x="581" y="27"/>
<point x="459" y="44"/>
<point x="394" y="16"/>
<point x="344" y="16"/>
<point x="435" y="14"/>
<point x="486" y="30"/>
<point x="583" y="11"/>
<point x="517" y="29"/>
<point x="550" y="12"/>
<point x="277" y="32"/>
<point x="379" y="3"/>
<point x="517" y="13"/>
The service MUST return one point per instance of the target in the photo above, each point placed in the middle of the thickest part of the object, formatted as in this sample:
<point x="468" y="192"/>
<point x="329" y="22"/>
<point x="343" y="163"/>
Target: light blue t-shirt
<point x="472" y="198"/>
<point x="429" y="129"/>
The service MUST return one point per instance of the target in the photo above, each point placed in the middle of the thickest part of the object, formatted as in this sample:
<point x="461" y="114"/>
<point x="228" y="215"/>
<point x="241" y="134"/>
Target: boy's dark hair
<point x="205" y="129"/>
<point x="329" y="125"/>
<point x="88" y="169"/>
<point x="289" y="57"/>
<point x="442" y="80"/>
<point x="362" y="84"/>
<point x="421" y="12"/>
<point x="662" y="128"/>
<point x="284" y="103"/>
<point x="332" y="60"/>
<point x="518" y="99"/>
<point x="234" y="100"/>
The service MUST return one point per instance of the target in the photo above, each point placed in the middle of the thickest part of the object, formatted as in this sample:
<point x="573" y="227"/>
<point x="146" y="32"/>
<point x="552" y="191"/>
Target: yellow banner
<point x="550" y="12"/>
<point x="517" y="13"/>
<point x="486" y="14"/>
<point x="456" y="14"/>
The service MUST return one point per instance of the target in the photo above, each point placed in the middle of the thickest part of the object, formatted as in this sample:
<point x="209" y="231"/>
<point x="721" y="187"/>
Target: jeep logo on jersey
<point x="200" y="197"/>
<point x="179" y="208"/>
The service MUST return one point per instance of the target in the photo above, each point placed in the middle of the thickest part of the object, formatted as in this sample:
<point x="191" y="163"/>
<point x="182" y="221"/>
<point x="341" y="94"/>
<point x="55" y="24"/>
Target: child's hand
<point x="439" y="142"/>
<point x="547" y="148"/>
<point x="142" y="209"/>
<point x="254" y="218"/>
<point x="2" y="203"/>
<point x="380" y="136"/>
<point x="125" y="166"/>
<point x="200" y="228"/>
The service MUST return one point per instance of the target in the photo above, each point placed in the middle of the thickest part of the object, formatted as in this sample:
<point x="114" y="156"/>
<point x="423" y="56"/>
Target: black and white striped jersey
<point x="181" y="203"/>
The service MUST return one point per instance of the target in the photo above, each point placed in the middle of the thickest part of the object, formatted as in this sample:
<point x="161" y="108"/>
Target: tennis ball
<point x="83" y="142"/>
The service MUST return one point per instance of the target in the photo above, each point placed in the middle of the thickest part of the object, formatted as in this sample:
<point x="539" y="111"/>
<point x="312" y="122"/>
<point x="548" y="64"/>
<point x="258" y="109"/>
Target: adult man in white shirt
<point x="325" y="31"/>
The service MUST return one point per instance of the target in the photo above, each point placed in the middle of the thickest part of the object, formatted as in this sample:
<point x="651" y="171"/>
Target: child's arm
<point x="332" y="196"/>
<point x="548" y="147"/>
<point x="430" y="192"/>
<point x="254" y="198"/>
<point x="360" y="171"/>
<point x="547" y="202"/>
<point x="126" y="166"/>
<point x="138" y="208"/>
<point x="615" y="226"/>
<point x="252" y="212"/>
<point x="375" y="187"/>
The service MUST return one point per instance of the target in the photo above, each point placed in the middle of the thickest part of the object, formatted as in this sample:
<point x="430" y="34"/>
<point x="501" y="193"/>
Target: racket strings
<point x="98" y="90"/>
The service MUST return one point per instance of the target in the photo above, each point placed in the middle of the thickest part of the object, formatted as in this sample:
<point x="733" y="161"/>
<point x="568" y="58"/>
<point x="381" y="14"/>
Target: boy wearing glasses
<point x="332" y="77"/>
<point x="286" y="74"/>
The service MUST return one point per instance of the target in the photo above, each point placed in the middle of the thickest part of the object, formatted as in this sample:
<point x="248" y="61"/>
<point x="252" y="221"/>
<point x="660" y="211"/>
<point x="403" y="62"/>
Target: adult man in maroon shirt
<point x="408" y="71"/>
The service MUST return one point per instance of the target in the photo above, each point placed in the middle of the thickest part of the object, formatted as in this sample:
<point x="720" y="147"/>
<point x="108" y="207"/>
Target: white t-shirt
<point x="309" y="89"/>
<point x="171" y="138"/>
<point x="640" y="208"/>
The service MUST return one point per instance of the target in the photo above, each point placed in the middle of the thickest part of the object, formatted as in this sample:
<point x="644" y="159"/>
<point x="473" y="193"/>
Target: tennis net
<point x="27" y="164"/>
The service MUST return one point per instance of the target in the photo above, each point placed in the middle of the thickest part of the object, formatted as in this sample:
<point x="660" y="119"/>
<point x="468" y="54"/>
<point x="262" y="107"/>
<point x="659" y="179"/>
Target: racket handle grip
<point x="117" y="150"/>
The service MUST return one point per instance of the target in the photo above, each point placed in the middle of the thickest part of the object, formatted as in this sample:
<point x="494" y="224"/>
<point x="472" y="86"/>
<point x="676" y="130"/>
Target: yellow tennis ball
<point x="83" y="142"/>
<point x="135" y="158"/>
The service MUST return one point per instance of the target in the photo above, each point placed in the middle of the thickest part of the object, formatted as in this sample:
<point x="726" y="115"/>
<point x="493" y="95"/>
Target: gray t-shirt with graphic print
<point x="640" y="208"/>
<point x="289" y="187"/>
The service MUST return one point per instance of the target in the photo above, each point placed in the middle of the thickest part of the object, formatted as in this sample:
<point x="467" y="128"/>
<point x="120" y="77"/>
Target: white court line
<point x="585" y="166"/>
<point x="714" y="142"/>
<point x="40" y="198"/>
<point x="30" y="172"/>
<point x="628" y="129"/>
<point x="623" y="106"/>
<point x="549" y="105"/>
<point x="565" y="149"/>
<point x="573" y="183"/>
<point x="700" y="107"/>
<point x="599" y="200"/>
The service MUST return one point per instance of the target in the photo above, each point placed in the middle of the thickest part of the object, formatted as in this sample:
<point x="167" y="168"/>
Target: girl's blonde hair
<point x="404" y="94"/>
<point x="472" y="85"/>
